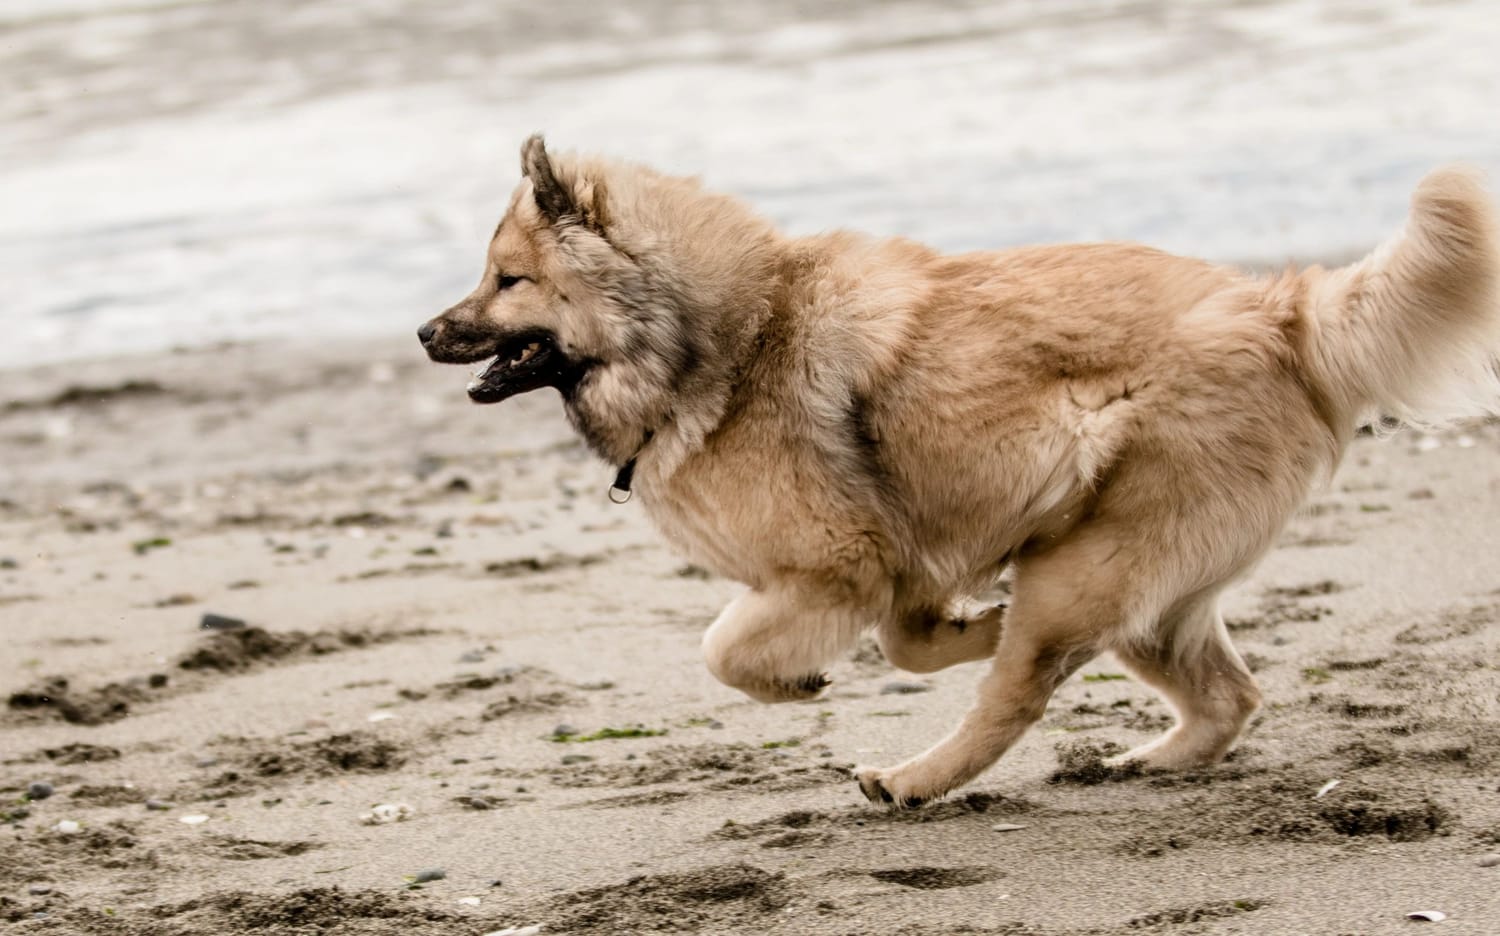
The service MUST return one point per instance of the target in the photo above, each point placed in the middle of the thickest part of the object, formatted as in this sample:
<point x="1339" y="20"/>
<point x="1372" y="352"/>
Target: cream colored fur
<point x="866" y="432"/>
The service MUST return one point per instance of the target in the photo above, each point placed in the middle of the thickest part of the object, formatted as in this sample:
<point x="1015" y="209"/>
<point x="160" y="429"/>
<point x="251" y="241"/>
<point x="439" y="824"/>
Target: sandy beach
<point x="441" y="610"/>
<point x="224" y="220"/>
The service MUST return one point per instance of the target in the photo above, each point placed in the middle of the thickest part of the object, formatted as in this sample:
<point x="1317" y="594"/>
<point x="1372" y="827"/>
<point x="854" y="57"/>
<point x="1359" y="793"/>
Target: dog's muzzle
<point x="513" y="363"/>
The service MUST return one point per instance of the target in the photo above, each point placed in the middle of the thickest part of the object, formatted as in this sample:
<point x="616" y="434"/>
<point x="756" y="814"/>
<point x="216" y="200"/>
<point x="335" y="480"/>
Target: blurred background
<point x="179" y="173"/>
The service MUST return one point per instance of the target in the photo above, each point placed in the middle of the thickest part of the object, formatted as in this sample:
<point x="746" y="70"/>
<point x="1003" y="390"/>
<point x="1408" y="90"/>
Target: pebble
<point x="576" y="758"/>
<point x="67" y="827"/>
<point x="9" y="563"/>
<point x="1428" y="916"/>
<point x="429" y="874"/>
<point x="564" y="729"/>
<point x="1007" y="827"/>
<point x="715" y="725"/>
<point x="193" y="820"/>
<point x="472" y="656"/>
<point x="516" y="931"/>
<point x="904" y="688"/>
<point x="386" y="812"/>
<point x="156" y="805"/>
<point x="39" y="790"/>
<point x="206" y="762"/>
<point x="39" y="890"/>
<point x="219" y="622"/>
<point x="1490" y="861"/>
<point x="469" y="901"/>
<point x="157" y="680"/>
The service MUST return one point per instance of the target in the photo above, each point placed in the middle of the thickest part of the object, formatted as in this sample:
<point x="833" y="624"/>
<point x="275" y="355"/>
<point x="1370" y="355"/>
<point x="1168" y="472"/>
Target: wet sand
<point x="431" y="590"/>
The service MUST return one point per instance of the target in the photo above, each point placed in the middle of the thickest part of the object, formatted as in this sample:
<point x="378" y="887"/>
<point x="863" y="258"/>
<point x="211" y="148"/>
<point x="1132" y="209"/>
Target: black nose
<point x="426" y="333"/>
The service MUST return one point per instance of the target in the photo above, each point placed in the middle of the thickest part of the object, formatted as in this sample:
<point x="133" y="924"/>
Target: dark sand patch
<point x="235" y="651"/>
<point x="714" y="899"/>
<point x="924" y="877"/>
<point x="268" y="761"/>
<point x="54" y="697"/>
<point x="45" y="854"/>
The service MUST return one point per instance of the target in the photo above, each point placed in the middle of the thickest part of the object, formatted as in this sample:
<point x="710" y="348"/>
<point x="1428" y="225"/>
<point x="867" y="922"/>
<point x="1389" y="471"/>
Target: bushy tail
<point x="1412" y="332"/>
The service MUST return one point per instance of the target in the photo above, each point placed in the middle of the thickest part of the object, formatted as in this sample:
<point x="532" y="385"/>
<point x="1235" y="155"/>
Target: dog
<point x="866" y="432"/>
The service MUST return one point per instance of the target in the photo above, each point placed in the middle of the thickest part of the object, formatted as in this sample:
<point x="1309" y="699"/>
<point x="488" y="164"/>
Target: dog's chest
<point x="750" y="513"/>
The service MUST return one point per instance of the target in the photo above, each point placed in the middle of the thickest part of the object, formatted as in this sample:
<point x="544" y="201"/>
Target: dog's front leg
<point x="774" y="645"/>
<point x="1011" y="699"/>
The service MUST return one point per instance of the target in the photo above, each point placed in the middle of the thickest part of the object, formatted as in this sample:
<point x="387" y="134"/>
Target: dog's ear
<point x="560" y="192"/>
<point x="552" y="197"/>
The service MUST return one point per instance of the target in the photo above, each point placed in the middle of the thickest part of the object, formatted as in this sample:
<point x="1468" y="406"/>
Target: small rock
<point x="1490" y="861"/>
<point x="219" y="622"/>
<point x="386" y="813"/>
<point x="9" y="563"/>
<point x="193" y="820"/>
<point x="38" y="790"/>
<point x="516" y="931"/>
<point x="493" y="882"/>
<point x="899" y="687"/>
<point x="1427" y="916"/>
<point x="156" y="805"/>
<point x="469" y="901"/>
<point x="597" y="685"/>
<point x="715" y="725"/>
<point x="472" y="656"/>
<point x="157" y="680"/>
<point x="576" y="758"/>
<point x="1007" y="827"/>
<point x="67" y="827"/>
<point x="444" y="530"/>
<point x="380" y="716"/>
<point x="39" y="890"/>
<point x="563" y="730"/>
<point x="429" y="874"/>
<point x="206" y="762"/>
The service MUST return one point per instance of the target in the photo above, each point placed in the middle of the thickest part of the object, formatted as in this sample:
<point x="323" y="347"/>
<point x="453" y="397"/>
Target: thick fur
<point x="866" y="432"/>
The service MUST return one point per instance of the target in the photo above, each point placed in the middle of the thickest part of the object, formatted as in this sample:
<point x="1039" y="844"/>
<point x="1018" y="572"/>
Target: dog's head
<point x="605" y="281"/>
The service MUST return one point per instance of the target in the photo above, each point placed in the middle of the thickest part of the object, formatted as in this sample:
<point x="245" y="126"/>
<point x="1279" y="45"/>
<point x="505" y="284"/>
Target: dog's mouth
<point x="523" y="362"/>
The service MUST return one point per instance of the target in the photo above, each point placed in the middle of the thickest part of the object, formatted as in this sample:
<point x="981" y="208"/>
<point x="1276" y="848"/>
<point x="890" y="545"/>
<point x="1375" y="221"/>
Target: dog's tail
<point x="1411" y="333"/>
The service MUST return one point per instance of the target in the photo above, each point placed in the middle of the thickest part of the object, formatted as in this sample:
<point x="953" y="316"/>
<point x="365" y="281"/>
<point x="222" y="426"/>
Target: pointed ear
<point x="552" y="197"/>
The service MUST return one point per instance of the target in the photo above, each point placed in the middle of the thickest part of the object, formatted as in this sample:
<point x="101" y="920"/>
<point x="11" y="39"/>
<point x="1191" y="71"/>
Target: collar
<point x="619" y="492"/>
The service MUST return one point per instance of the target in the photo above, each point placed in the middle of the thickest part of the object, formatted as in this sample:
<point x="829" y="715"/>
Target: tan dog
<point x="865" y="432"/>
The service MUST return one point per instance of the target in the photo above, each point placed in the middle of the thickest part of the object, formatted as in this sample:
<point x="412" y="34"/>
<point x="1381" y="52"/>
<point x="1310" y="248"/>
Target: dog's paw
<point x="801" y="689"/>
<point x="810" y="687"/>
<point x="884" y="790"/>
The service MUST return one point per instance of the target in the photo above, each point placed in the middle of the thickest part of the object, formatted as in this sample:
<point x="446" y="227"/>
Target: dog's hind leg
<point x="926" y="641"/>
<point x="1195" y="667"/>
<point x="773" y="645"/>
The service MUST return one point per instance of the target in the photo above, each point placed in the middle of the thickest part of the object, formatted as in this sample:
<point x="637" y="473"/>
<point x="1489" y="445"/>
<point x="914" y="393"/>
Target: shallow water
<point x="181" y="173"/>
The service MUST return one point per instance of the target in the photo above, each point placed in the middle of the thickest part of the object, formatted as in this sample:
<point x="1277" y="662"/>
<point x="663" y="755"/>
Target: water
<point x="181" y="173"/>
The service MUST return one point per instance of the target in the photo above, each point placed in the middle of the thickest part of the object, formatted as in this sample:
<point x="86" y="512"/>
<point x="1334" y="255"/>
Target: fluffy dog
<point x="865" y="432"/>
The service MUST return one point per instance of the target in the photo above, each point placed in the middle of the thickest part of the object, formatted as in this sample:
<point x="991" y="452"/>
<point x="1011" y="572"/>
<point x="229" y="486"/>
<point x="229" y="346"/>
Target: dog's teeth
<point x="526" y="353"/>
<point x="478" y="377"/>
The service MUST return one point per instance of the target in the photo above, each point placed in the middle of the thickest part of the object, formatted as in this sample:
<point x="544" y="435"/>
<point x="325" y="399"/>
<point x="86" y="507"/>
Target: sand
<point x="430" y="591"/>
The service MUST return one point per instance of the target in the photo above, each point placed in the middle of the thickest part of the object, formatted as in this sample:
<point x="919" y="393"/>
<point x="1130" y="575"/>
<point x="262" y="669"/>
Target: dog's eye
<point x="506" y="282"/>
